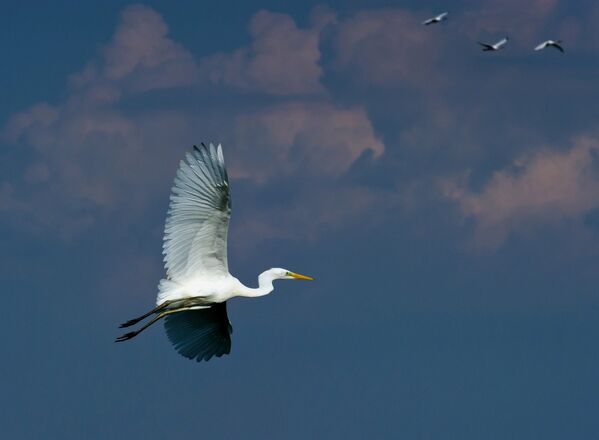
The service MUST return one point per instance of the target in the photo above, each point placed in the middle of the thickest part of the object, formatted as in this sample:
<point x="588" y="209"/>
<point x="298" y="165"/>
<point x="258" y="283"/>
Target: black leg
<point x="145" y="315"/>
<point x="131" y="335"/>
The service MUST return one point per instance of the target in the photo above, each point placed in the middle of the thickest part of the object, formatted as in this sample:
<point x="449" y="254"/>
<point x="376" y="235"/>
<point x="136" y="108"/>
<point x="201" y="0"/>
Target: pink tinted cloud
<point x="91" y="162"/>
<point x="546" y="188"/>
<point x="140" y="57"/>
<point x="387" y="47"/>
<point x="282" y="59"/>
<point x="89" y="152"/>
<point x="93" y="159"/>
<point x="307" y="137"/>
<point x="40" y="115"/>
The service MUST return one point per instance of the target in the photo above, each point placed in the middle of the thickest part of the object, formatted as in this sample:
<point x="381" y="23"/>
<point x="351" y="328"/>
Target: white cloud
<point x="387" y="47"/>
<point x="299" y="137"/>
<point x="139" y="57"/>
<point x="92" y="156"/>
<point x="281" y="60"/>
<point x="546" y="188"/>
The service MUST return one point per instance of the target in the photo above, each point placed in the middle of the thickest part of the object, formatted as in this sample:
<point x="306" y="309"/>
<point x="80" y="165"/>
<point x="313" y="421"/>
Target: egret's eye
<point x="287" y="274"/>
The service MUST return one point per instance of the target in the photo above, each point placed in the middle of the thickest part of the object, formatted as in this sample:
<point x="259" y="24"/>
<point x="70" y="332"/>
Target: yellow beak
<point x="300" y="277"/>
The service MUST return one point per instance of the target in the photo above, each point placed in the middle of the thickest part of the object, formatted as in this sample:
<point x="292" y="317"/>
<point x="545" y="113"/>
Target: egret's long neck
<point x="265" y="286"/>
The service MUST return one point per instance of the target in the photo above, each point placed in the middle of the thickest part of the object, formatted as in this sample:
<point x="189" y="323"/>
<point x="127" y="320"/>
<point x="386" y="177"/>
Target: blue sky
<point x="446" y="200"/>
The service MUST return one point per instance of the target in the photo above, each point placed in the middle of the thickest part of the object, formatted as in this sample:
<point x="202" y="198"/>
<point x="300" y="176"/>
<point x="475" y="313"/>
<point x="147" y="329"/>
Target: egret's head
<point x="284" y="274"/>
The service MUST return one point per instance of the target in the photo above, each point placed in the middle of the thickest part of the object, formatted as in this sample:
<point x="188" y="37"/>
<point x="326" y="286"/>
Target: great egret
<point x="493" y="47"/>
<point x="436" y="19"/>
<point x="550" y="43"/>
<point x="192" y="298"/>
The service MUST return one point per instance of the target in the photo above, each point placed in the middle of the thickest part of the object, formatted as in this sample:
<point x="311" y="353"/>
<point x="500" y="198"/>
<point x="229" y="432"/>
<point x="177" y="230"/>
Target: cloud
<point x="90" y="157"/>
<point x="140" y="41"/>
<point x="386" y="47"/>
<point x="545" y="188"/>
<point x="281" y="60"/>
<point x="38" y="116"/>
<point x="90" y="161"/>
<point x="311" y="138"/>
<point x="139" y="57"/>
<point x="93" y="155"/>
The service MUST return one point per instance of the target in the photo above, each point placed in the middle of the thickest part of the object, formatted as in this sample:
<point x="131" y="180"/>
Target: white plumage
<point x="193" y="295"/>
<point x="494" y="47"/>
<point x="436" y="19"/>
<point x="195" y="233"/>
<point x="550" y="43"/>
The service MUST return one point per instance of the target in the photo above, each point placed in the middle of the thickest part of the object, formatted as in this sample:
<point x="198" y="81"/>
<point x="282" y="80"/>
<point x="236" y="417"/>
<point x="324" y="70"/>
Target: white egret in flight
<point x="551" y="43"/>
<point x="493" y="47"/>
<point x="192" y="298"/>
<point x="436" y="19"/>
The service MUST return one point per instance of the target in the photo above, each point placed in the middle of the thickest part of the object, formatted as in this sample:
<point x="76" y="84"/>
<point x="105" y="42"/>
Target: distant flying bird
<point x="551" y="43"/>
<point x="437" y="19"/>
<point x="192" y="298"/>
<point x="493" y="47"/>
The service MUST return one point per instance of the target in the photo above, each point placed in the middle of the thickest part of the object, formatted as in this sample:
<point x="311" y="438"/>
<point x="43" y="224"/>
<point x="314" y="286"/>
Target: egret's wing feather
<point x="541" y="46"/>
<point x="195" y="234"/>
<point x="200" y="334"/>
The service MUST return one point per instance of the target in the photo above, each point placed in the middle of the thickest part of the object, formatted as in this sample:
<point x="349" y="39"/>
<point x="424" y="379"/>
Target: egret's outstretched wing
<point x="200" y="334"/>
<point x="195" y="234"/>
<point x="501" y="43"/>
